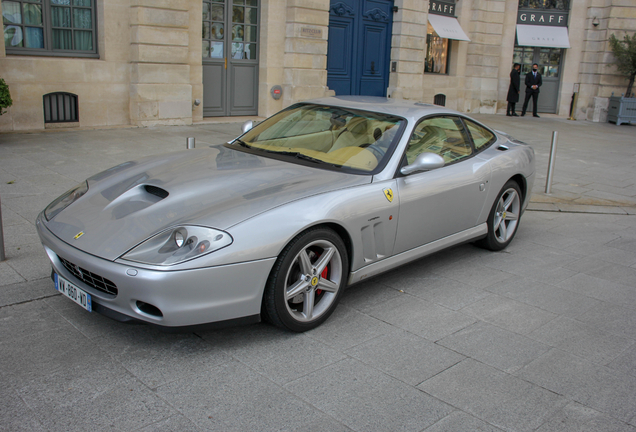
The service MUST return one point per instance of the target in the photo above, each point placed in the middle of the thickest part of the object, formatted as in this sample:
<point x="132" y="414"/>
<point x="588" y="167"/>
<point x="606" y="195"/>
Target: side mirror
<point x="424" y="162"/>
<point x="247" y="126"/>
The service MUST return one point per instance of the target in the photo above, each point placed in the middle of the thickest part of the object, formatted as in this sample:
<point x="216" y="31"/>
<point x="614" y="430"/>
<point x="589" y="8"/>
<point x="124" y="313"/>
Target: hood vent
<point x="156" y="191"/>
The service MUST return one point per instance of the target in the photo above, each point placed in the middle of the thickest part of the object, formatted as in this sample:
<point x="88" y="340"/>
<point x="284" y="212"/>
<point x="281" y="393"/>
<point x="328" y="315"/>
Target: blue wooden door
<point x="359" y="46"/>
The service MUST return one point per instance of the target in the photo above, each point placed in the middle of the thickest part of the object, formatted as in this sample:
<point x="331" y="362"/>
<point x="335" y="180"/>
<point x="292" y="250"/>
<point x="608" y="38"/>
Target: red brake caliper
<point x="324" y="276"/>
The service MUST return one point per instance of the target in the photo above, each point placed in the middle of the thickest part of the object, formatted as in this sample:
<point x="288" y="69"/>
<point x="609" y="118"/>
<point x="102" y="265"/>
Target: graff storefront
<point x="542" y="38"/>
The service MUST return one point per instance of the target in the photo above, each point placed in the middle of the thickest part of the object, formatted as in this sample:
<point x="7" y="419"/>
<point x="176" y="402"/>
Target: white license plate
<point x="71" y="291"/>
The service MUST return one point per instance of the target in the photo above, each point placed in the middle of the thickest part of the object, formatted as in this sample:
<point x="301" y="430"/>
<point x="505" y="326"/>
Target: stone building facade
<point x="146" y="64"/>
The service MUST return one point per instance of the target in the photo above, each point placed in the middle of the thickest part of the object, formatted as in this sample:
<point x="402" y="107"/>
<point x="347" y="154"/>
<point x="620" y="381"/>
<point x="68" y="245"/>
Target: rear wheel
<point x="307" y="280"/>
<point x="503" y="219"/>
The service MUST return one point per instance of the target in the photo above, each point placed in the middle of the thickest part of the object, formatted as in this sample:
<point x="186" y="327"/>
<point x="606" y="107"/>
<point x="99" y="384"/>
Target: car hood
<point x="215" y="187"/>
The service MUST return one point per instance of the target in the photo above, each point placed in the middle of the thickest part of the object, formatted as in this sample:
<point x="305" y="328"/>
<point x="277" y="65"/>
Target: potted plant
<point x="5" y="96"/>
<point x="623" y="109"/>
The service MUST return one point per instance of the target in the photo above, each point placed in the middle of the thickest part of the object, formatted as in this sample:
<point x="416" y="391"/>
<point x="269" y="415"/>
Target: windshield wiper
<point x="302" y="156"/>
<point x="241" y="142"/>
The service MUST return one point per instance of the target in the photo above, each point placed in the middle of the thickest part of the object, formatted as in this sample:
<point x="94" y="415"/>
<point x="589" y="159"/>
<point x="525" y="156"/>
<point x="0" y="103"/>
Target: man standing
<point x="513" y="90"/>
<point x="533" y="82"/>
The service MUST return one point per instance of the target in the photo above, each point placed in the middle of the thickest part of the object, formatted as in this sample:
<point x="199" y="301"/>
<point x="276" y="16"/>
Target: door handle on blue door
<point x="372" y="67"/>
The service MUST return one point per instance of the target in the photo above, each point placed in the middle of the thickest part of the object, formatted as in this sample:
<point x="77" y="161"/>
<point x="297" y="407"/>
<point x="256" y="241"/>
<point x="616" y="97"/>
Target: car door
<point x="444" y="201"/>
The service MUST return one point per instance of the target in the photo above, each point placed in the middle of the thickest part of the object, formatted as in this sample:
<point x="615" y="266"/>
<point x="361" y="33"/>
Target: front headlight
<point x="65" y="200"/>
<point x="177" y="245"/>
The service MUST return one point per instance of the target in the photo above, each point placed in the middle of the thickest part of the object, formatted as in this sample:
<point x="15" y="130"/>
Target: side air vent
<point x="156" y="191"/>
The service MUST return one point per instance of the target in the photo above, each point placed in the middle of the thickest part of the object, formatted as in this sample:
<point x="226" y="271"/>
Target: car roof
<point x="411" y="110"/>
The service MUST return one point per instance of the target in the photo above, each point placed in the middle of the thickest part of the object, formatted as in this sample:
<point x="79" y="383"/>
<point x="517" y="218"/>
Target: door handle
<point x="225" y="62"/>
<point x="372" y="68"/>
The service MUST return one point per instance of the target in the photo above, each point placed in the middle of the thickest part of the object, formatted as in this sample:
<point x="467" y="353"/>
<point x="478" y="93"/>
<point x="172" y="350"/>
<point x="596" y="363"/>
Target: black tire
<point x="305" y="286"/>
<point x="503" y="220"/>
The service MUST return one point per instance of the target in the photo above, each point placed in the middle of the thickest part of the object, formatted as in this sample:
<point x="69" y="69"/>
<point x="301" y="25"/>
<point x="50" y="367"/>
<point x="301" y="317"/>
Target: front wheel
<point x="306" y="282"/>
<point x="503" y="219"/>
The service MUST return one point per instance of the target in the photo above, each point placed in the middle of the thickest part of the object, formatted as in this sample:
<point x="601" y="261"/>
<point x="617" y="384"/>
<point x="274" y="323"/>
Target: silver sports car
<point x="275" y="224"/>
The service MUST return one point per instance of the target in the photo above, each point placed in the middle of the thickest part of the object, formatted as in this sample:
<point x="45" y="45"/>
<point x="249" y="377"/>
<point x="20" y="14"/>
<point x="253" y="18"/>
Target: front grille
<point x="89" y="278"/>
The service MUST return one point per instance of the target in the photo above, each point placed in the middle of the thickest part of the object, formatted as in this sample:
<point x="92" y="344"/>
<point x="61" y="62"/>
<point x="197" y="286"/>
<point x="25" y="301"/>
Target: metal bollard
<point x="553" y="148"/>
<point x="2" y="256"/>
<point x="190" y="143"/>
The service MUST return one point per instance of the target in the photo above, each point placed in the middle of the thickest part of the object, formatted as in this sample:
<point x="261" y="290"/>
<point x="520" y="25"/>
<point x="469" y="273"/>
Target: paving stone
<point x="8" y="276"/>
<point x="617" y="256"/>
<point x="157" y="358"/>
<point x="15" y="414"/>
<point x="600" y="289"/>
<point x="365" y="399"/>
<point x="626" y="362"/>
<point x="175" y="423"/>
<point x="493" y="396"/>
<point x="582" y="340"/>
<point x="19" y="320"/>
<point x="509" y="314"/>
<point x="579" y="418"/>
<point x="22" y="292"/>
<point x="546" y="297"/>
<point x="443" y="291"/>
<point x="347" y="328"/>
<point x="405" y="356"/>
<point x="280" y="355"/>
<point x="421" y="317"/>
<point x="494" y="346"/>
<point x="232" y="397"/>
<point x="72" y="399"/>
<point x="595" y="386"/>
<point x="611" y="318"/>
<point x="460" y="421"/>
<point x="366" y="294"/>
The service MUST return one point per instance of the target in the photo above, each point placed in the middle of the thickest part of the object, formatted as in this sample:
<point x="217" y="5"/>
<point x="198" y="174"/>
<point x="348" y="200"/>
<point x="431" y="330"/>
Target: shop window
<point x="437" y="52"/>
<point x="562" y="5"/>
<point x="50" y="27"/>
<point x="548" y="60"/>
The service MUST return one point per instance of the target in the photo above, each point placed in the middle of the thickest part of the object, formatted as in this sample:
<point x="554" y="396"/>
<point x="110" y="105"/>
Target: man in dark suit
<point x="533" y="82"/>
<point x="513" y="90"/>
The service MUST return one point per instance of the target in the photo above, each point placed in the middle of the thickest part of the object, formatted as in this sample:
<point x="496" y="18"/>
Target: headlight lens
<point x="65" y="200"/>
<point x="178" y="245"/>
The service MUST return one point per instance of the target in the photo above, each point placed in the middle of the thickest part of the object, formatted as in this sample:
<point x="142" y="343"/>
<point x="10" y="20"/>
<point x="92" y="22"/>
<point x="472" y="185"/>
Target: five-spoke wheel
<point x="307" y="280"/>
<point x="503" y="220"/>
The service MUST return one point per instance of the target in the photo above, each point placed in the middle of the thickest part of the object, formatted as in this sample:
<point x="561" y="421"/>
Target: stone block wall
<point x="305" y="57"/>
<point x="408" y="48"/>
<point x="484" y="54"/>
<point x="160" y="89"/>
<point x="598" y="77"/>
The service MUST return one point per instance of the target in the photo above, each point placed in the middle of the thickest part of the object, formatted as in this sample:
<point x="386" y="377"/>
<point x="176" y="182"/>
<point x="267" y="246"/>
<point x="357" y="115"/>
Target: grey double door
<point x="550" y="62"/>
<point x="230" y="57"/>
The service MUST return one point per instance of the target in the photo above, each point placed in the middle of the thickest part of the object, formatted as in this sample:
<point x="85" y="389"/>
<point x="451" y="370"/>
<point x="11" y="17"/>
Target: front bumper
<point x="183" y="298"/>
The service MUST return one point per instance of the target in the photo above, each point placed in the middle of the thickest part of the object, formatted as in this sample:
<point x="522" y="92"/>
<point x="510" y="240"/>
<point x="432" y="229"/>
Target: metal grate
<point x="89" y="278"/>
<point x="60" y="107"/>
<point x="440" y="99"/>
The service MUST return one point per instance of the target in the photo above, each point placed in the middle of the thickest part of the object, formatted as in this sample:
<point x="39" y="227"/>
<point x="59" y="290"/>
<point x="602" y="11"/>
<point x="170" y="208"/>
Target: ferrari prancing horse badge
<point x="389" y="194"/>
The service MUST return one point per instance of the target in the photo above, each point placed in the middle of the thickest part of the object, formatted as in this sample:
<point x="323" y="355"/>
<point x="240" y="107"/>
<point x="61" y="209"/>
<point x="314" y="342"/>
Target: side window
<point x="481" y="136"/>
<point x="444" y="136"/>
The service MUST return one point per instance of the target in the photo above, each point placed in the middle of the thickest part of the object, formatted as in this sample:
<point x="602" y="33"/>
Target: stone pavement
<point x="539" y="337"/>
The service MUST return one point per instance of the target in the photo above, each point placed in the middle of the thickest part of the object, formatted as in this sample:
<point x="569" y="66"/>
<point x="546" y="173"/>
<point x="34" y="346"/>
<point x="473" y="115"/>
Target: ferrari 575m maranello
<point x="275" y="224"/>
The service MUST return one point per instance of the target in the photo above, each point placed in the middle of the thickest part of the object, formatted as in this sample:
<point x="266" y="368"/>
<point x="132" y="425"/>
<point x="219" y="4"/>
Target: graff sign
<point x="441" y="8"/>
<point x="543" y="18"/>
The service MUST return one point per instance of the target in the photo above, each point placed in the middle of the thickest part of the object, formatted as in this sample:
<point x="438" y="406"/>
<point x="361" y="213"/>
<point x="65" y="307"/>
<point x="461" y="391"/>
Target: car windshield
<point x="329" y="136"/>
